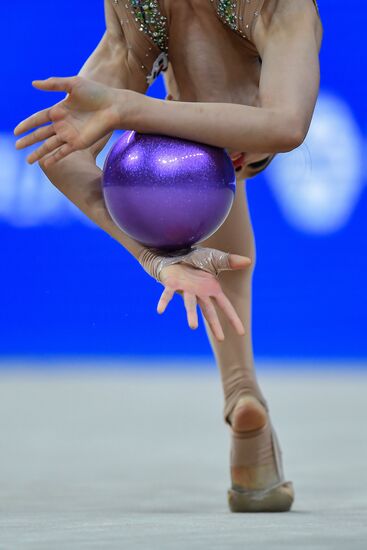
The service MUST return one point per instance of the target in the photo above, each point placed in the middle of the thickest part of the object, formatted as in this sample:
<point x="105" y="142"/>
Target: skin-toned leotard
<point x="144" y="24"/>
<point x="151" y="42"/>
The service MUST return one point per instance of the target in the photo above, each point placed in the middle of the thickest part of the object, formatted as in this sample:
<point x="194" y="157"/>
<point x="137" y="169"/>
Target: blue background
<point x="69" y="289"/>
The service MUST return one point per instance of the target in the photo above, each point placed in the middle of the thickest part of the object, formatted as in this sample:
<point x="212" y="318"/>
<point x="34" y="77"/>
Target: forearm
<point x="227" y="125"/>
<point x="79" y="179"/>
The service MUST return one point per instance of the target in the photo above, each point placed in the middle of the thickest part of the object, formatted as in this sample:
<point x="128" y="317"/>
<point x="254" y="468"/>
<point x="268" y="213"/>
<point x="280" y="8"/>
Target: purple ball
<point x="166" y="192"/>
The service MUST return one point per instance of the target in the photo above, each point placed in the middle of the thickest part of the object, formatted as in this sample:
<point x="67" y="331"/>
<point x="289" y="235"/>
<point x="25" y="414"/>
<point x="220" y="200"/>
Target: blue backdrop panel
<point x="68" y="288"/>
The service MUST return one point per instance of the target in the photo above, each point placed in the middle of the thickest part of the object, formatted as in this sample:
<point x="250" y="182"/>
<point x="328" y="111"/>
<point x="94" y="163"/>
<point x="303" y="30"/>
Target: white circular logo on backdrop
<point x="318" y="185"/>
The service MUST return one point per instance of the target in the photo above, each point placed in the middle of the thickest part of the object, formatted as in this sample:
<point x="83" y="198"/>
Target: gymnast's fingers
<point x="34" y="120"/>
<point x="50" y="145"/>
<point x="190" y="305"/>
<point x="56" y="83"/>
<point x="38" y="135"/>
<point x="231" y="313"/>
<point x="165" y="299"/>
<point x="211" y="316"/>
<point x="58" y="154"/>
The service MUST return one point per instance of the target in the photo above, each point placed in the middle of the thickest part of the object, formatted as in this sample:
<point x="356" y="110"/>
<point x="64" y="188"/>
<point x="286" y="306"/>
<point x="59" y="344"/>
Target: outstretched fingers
<point x="55" y="83"/>
<point x="38" y="135"/>
<point x="230" y="312"/>
<point x="190" y="305"/>
<point x="58" y="154"/>
<point x="34" y="120"/>
<point x="165" y="299"/>
<point x="48" y="147"/>
<point x="211" y="316"/>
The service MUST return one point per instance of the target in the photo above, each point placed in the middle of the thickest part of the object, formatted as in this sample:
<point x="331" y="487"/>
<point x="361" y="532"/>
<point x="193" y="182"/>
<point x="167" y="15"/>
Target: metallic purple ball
<point x="166" y="192"/>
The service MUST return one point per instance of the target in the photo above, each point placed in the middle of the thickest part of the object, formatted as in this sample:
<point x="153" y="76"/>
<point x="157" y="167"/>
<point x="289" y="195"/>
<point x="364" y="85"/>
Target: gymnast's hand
<point x="195" y="276"/>
<point x="77" y="122"/>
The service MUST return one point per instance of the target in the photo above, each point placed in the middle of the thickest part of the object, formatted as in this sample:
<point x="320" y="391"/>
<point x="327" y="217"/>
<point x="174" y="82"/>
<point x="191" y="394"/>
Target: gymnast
<point x="242" y="75"/>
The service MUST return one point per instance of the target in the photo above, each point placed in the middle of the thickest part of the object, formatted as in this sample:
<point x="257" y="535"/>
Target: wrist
<point x="125" y="105"/>
<point x="150" y="262"/>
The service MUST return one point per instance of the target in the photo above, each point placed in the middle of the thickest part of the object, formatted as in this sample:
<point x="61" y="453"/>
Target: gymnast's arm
<point x="77" y="176"/>
<point x="79" y="179"/>
<point x="289" y="87"/>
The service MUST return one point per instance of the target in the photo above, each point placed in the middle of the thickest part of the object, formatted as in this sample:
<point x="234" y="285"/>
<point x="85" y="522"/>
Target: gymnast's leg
<point x="234" y="355"/>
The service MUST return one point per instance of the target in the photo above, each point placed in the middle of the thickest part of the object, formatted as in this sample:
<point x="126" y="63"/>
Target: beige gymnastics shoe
<point x="252" y="450"/>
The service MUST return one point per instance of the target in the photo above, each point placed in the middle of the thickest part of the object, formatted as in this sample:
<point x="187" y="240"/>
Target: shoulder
<point x="282" y="18"/>
<point x="276" y="10"/>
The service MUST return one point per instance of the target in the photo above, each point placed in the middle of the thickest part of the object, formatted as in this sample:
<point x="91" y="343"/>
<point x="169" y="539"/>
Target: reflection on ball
<point x="166" y="192"/>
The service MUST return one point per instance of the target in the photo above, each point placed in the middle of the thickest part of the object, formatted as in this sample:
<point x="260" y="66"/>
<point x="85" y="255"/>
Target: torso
<point x="209" y="61"/>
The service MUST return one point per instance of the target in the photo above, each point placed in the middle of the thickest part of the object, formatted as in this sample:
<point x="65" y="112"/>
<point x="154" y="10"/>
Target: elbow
<point x="293" y="134"/>
<point x="292" y="140"/>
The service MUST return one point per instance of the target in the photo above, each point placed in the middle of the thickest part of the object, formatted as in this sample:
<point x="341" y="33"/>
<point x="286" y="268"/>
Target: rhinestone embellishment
<point x="226" y="10"/>
<point x="151" y="21"/>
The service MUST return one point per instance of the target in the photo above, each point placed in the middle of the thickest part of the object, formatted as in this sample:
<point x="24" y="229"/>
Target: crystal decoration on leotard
<point x="227" y="10"/>
<point x="151" y="21"/>
<point x="154" y="24"/>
